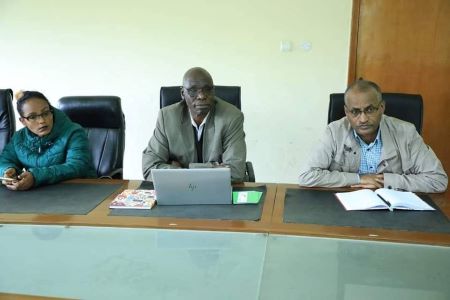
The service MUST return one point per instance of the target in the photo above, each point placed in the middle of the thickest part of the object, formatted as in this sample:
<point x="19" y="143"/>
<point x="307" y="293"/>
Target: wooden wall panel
<point x="404" y="46"/>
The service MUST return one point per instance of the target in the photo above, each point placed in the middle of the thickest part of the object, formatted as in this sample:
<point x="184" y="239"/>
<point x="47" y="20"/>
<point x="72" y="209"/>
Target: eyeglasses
<point x="44" y="115"/>
<point x="368" y="111"/>
<point x="192" y="92"/>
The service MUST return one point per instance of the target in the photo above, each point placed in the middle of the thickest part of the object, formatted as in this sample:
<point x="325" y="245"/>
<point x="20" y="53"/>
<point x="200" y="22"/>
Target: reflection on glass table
<point x="299" y="267"/>
<point x="130" y="263"/>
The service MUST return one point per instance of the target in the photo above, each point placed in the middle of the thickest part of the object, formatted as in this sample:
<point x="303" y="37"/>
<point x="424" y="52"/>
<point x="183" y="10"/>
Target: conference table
<point x="317" y="261"/>
<point x="102" y="255"/>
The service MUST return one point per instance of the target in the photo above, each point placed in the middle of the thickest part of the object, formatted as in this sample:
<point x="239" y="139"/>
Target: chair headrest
<point x="5" y="96"/>
<point x="407" y="107"/>
<point x="94" y="111"/>
<point x="7" y="116"/>
<point x="171" y="94"/>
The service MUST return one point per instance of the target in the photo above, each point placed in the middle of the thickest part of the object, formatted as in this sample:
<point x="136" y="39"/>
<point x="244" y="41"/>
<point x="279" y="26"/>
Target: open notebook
<point x="382" y="199"/>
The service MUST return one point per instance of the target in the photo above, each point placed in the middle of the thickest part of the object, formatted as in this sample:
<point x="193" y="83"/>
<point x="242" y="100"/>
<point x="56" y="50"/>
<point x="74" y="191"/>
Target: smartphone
<point x="8" y="179"/>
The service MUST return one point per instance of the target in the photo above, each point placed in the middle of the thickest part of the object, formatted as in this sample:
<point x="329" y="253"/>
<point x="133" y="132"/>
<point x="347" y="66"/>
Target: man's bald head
<point x="197" y="74"/>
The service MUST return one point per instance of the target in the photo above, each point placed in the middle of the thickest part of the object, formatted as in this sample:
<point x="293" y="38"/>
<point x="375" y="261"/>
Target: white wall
<point x="131" y="48"/>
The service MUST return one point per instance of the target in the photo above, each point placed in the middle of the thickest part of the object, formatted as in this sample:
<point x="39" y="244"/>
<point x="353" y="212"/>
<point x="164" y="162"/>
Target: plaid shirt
<point x="370" y="154"/>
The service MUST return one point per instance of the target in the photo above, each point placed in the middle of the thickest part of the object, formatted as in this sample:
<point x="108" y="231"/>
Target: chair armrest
<point x="115" y="174"/>
<point x="249" y="171"/>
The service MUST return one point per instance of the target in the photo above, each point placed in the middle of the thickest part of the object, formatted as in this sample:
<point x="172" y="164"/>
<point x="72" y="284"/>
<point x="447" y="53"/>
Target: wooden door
<point x="404" y="46"/>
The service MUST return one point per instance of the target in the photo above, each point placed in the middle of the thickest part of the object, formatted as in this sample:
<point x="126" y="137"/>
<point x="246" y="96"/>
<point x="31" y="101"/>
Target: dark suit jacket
<point x="173" y="139"/>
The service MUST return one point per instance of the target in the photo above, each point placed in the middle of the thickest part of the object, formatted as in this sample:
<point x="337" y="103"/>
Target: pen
<point x="387" y="202"/>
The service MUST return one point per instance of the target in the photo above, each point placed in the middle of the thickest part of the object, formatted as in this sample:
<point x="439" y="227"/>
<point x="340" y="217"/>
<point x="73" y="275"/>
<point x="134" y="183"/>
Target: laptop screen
<point x="192" y="186"/>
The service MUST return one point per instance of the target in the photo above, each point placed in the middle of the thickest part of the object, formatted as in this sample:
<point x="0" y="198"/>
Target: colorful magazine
<point x="134" y="199"/>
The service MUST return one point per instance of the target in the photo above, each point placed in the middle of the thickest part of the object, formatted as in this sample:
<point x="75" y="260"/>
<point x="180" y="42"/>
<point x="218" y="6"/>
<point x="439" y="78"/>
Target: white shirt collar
<point x="199" y="128"/>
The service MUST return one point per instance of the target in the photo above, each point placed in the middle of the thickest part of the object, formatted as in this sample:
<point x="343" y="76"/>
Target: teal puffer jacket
<point x="61" y="155"/>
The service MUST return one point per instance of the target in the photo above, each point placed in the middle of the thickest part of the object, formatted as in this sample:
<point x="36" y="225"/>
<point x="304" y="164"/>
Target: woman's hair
<point x="23" y="96"/>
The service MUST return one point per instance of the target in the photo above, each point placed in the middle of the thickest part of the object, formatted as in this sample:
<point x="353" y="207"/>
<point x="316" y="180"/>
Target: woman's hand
<point x="25" y="182"/>
<point x="9" y="173"/>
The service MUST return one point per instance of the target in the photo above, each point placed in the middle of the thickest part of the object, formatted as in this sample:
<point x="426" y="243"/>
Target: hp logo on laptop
<point x="192" y="187"/>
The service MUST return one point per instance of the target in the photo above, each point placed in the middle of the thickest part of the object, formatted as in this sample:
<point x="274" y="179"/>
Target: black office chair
<point x="171" y="94"/>
<point x="7" y="117"/>
<point x="232" y="94"/>
<point x="407" y="107"/>
<point x="104" y="121"/>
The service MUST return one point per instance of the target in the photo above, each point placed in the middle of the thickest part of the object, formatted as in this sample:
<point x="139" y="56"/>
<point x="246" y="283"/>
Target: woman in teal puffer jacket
<point x="50" y="148"/>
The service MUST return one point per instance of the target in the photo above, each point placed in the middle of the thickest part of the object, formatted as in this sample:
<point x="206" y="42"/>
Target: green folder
<point x="247" y="197"/>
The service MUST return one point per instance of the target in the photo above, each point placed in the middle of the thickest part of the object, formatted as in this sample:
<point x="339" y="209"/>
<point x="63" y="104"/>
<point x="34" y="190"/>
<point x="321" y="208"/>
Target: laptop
<point x="192" y="186"/>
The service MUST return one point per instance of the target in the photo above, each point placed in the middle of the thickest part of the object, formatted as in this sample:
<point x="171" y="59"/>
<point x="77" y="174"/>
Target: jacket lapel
<point x="350" y="147"/>
<point x="389" y="150"/>
<point x="187" y="135"/>
<point x="208" y="134"/>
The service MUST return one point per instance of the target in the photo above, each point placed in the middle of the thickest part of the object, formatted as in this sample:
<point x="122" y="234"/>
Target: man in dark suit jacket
<point x="201" y="128"/>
